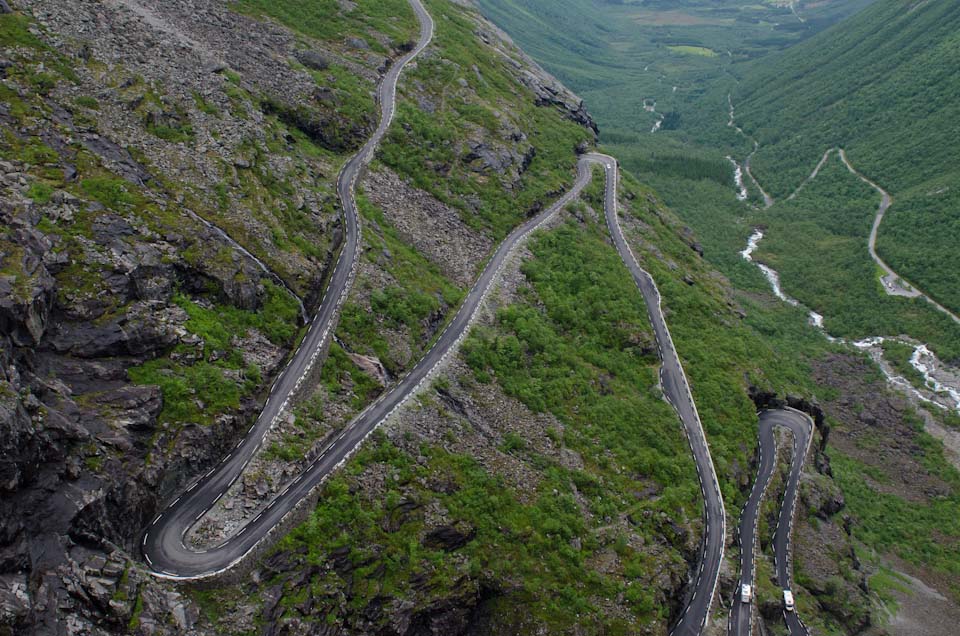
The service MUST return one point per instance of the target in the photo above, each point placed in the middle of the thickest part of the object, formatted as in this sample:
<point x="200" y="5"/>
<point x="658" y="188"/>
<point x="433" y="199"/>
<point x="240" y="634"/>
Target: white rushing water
<point x="650" y="105"/>
<point x="742" y="193"/>
<point x="771" y="274"/>
<point x="942" y="383"/>
<point x="938" y="377"/>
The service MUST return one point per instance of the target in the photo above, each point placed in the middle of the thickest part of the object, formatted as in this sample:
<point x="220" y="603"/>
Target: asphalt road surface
<point x="163" y="542"/>
<point x="169" y="557"/>
<point x="676" y="390"/>
<point x="164" y="545"/>
<point x="802" y="427"/>
<point x="893" y="283"/>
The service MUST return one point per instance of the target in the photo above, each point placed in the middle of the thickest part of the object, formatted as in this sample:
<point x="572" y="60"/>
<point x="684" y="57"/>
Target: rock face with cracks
<point x="167" y="207"/>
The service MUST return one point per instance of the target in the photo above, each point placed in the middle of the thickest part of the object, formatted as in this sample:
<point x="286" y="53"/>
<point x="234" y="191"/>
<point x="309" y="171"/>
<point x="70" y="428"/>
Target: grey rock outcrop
<point x="550" y="92"/>
<point x="547" y="89"/>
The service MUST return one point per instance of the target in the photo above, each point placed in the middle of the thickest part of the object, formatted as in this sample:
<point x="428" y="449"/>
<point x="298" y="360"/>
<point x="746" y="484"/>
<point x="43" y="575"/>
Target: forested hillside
<point x="635" y="62"/>
<point x="872" y="81"/>
<point x="883" y="85"/>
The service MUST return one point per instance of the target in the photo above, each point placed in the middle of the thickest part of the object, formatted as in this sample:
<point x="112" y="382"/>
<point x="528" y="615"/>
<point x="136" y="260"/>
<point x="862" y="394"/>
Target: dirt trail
<point x="813" y="175"/>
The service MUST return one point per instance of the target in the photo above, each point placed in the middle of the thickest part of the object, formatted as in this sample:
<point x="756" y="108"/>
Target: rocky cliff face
<point x="167" y="216"/>
<point x="146" y="186"/>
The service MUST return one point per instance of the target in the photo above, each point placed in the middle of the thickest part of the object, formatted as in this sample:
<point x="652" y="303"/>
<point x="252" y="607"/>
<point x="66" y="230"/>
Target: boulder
<point x="134" y="407"/>
<point x="146" y="329"/>
<point x="119" y="158"/>
<point x="313" y="60"/>
<point x="821" y="495"/>
<point x="448" y="538"/>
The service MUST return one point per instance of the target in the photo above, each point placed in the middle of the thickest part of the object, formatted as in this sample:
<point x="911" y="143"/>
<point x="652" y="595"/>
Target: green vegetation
<point x="882" y="86"/>
<point x="429" y="147"/>
<point x="884" y="584"/>
<point x="599" y="380"/>
<point x="329" y="20"/>
<point x="15" y="31"/>
<point x="617" y="54"/>
<point x="898" y="354"/>
<point x="174" y="132"/>
<point x="215" y="603"/>
<point x="684" y="49"/>
<point x="593" y="365"/>
<point x="204" y="105"/>
<point x="191" y="393"/>
<point x="529" y="543"/>
<point x="198" y="388"/>
<point x="40" y="192"/>
<point x="339" y="371"/>
<point x="559" y="349"/>
<point x="276" y="319"/>
<point x="818" y="244"/>
<point x="417" y="301"/>
<point x="922" y="533"/>
<point x="87" y="101"/>
<point x="339" y="378"/>
<point x="134" y="621"/>
<point x="727" y="339"/>
<point x="112" y="192"/>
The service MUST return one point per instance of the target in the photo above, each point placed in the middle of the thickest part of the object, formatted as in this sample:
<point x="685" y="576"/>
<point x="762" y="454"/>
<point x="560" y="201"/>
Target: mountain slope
<point x="882" y="85"/>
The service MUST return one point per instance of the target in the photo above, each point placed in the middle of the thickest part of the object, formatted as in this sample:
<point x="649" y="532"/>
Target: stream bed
<point x="941" y="383"/>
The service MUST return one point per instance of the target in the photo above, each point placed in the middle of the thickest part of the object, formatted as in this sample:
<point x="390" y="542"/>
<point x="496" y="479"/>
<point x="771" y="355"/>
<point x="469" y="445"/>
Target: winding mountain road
<point x="676" y="391"/>
<point x="163" y="543"/>
<point x="802" y="427"/>
<point x="893" y="283"/>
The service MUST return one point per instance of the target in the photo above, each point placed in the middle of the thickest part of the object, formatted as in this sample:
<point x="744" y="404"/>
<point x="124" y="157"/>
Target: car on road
<point x="788" y="600"/>
<point x="746" y="593"/>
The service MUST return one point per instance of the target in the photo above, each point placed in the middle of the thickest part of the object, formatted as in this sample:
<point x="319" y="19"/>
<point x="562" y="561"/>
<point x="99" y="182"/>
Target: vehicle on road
<point x="746" y="593"/>
<point x="788" y="600"/>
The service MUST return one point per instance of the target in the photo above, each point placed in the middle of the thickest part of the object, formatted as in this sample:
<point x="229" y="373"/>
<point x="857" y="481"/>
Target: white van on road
<point x="746" y="593"/>
<point x="788" y="600"/>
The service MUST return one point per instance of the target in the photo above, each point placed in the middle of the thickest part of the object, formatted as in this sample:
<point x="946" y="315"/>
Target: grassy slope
<point x="518" y="542"/>
<point x="330" y="20"/>
<point x="426" y="147"/>
<point x="882" y="85"/>
<point x="550" y="352"/>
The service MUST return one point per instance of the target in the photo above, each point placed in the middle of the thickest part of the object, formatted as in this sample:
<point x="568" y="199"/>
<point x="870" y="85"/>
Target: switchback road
<point x="801" y="426"/>
<point x="163" y="542"/>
